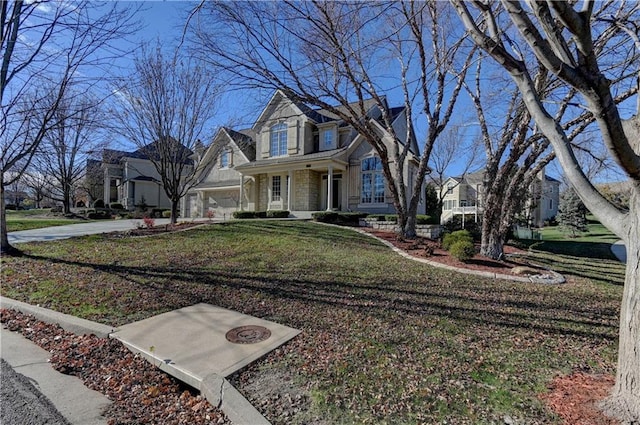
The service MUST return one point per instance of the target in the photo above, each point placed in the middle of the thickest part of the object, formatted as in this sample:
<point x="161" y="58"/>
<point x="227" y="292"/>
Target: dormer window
<point x="278" y="140"/>
<point x="327" y="139"/>
<point x="225" y="158"/>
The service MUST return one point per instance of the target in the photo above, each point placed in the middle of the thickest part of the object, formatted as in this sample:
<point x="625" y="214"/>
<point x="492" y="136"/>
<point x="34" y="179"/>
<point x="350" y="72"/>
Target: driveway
<point x="71" y="230"/>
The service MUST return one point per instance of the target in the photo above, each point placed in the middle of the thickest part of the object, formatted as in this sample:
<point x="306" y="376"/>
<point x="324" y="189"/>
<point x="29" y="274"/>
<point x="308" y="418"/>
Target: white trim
<point x="216" y="188"/>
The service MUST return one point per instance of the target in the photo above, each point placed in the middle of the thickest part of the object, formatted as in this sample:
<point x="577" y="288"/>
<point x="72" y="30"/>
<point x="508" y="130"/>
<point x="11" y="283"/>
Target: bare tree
<point x="564" y="38"/>
<point x="47" y="47"/>
<point x="63" y="153"/>
<point x="337" y="56"/>
<point x="166" y="108"/>
<point x="38" y="186"/>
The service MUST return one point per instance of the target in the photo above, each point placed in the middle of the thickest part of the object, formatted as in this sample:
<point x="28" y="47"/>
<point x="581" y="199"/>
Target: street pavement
<point x="21" y="403"/>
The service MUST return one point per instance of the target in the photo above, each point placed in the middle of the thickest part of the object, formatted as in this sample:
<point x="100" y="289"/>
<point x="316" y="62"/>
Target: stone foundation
<point x="429" y="231"/>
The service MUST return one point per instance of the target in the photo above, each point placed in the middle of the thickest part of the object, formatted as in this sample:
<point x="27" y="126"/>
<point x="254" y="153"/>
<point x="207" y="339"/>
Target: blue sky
<point x="164" y="21"/>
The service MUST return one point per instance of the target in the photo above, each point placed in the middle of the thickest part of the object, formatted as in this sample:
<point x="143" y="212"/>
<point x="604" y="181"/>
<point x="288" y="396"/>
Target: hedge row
<point x="261" y="214"/>
<point x="338" y="217"/>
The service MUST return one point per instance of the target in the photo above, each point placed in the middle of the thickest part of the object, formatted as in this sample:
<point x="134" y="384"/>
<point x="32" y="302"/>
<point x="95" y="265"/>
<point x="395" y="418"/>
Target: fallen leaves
<point x="142" y="394"/>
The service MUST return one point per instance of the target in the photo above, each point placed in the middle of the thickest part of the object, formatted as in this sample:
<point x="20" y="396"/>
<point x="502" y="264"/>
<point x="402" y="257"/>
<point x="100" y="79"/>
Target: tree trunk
<point x="5" y="246"/>
<point x="174" y="211"/>
<point x="624" y="403"/>
<point x="409" y="229"/>
<point x="493" y="239"/>
<point x="66" y="201"/>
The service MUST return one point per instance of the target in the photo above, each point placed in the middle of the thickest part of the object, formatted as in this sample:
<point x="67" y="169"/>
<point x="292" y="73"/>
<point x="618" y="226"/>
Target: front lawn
<point x="35" y="219"/>
<point x="385" y="339"/>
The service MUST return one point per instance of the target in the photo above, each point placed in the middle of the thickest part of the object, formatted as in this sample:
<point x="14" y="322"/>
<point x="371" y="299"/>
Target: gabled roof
<point x="112" y="156"/>
<point x="244" y="140"/>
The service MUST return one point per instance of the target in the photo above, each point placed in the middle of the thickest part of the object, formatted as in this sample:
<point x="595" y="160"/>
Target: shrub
<point x="166" y="214"/>
<point x="426" y="219"/>
<point x="469" y="224"/>
<point x="462" y="250"/>
<point x="325" y="216"/>
<point x="260" y="214"/>
<point x="244" y="214"/>
<point x="350" y="218"/>
<point x="158" y="212"/>
<point x="12" y="207"/>
<point x="391" y="217"/>
<point x="457" y="236"/>
<point x="98" y="215"/>
<point x="99" y="203"/>
<point x="376" y="217"/>
<point x="277" y="214"/>
<point x="116" y="206"/>
<point x="149" y="222"/>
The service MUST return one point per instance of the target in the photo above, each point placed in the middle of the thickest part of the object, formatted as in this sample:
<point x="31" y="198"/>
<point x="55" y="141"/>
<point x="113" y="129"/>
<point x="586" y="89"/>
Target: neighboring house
<point x="297" y="159"/>
<point x="463" y="196"/>
<point x="131" y="179"/>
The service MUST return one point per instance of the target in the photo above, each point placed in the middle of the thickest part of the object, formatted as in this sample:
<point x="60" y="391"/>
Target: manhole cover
<point x="248" y="334"/>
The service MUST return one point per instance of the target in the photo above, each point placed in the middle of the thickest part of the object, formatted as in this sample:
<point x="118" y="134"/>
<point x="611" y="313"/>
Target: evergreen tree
<point x="572" y="214"/>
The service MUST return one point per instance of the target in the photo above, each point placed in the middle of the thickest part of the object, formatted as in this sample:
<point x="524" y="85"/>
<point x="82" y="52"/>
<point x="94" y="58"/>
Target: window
<point x="550" y="204"/>
<point x="449" y="189"/>
<point x="372" y="181"/>
<point x="224" y="159"/>
<point x="449" y="204"/>
<point x="278" y="146"/>
<point x="275" y="188"/>
<point x="328" y="139"/>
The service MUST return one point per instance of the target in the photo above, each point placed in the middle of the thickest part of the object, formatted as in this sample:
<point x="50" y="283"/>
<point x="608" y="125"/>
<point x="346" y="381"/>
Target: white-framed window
<point x="276" y="188"/>
<point x="449" y="204"/>
<point x="372" y="190"/>
<point x="327" y="138"/>
<point x="278" y="140"/>
<point x="449" y="189"/>
<point x="225" y="158"/>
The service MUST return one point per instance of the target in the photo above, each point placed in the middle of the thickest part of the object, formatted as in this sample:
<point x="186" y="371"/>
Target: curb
<point x="217" y="390"/>
<point x="557" y="278"/>
<point x="66" y="321"/>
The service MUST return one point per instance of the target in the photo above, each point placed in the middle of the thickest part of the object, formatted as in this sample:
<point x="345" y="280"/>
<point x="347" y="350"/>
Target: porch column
<point x="241" y="192"/>
<point x="106" y="182"/>
<point x="329" y="187"/>
<point x="289" y="180"/>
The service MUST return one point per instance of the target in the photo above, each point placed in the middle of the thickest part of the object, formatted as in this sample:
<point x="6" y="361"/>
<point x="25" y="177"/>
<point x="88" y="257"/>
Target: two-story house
<point x="131" y="179"/>
<point x="297" y="159"/>
<point x="463" y="196"/>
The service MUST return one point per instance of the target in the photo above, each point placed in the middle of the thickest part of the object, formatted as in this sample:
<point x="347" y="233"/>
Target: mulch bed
<point x="426" y="248"/>
<point x="154" y="230"/>
<point x="575" y="397"/>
